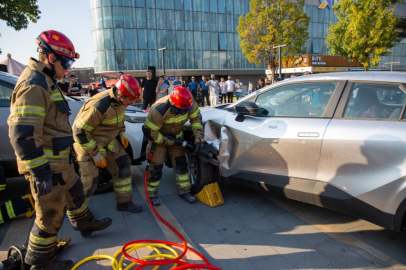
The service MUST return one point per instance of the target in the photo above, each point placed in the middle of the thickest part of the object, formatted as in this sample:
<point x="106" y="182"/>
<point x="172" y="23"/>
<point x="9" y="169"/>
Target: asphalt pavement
<point x="250" y="231"/>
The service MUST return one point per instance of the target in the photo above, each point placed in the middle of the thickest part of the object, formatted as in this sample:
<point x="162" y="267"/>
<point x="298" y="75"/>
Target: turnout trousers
<point x="180" y="167"/>
<point x="119" y="166"/>
<point x="66" y="194"/>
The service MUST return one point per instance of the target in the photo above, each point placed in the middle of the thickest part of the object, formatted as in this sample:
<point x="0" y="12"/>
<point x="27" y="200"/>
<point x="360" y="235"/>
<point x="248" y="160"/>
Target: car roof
<point x="380" y="76"/>
<point x="9" y="78"/>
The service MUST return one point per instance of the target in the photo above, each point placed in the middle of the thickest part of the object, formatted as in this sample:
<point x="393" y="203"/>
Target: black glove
<point x="43" y="187"/>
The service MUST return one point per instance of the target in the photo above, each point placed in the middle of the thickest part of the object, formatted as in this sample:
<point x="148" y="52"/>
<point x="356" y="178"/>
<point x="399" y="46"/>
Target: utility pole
<point x="280" y="58"/>
<point x="163" y="59"/>
<point x="391" y="65"/>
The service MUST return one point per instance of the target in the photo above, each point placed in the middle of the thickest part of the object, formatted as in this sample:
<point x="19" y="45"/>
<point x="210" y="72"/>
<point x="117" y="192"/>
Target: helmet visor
<point x="66" y="62"/>
<point x="183" y="111"/>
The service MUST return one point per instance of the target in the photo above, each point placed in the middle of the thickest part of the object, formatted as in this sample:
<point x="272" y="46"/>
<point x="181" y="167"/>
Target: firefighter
<point x="41" y="136"/>
<point x="167" y="117"/>
<point x="16" y="206"/>
<point x="100" y="140"/>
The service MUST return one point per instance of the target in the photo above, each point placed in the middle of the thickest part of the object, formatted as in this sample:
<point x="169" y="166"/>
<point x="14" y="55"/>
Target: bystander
<point x="193" y="86"/>
<point x="93" y="91"/>
<point x="223" y="89"/>
<point x="204" y="89"/>
<point x="64" y="86"/>
<point x="75" y="88"/>
<point x="214" y="87"/>
<point x="261" y="84"/>
<point x="161" y="88"/>
<point x="148" y="90"/>
<point x="230" y="89"/>
<point x="238" y="89"/>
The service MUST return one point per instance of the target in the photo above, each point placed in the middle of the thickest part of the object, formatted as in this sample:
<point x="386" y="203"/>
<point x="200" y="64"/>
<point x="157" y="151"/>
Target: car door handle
<point x="308" y="134"/>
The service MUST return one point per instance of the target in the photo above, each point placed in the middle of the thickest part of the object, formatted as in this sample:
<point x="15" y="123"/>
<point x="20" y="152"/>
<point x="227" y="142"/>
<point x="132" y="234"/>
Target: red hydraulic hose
<point x="182" y="265"/>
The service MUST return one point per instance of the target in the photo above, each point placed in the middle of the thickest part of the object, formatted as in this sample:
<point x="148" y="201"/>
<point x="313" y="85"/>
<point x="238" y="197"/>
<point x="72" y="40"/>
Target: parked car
<point x="136" y="150"/>
<point x="333" y="140"/>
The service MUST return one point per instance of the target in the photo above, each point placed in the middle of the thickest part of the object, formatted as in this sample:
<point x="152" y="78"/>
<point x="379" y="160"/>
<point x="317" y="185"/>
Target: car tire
<point x="201" y="174"/>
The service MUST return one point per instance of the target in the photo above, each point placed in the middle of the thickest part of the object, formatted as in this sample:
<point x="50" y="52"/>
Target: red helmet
<point x="181" y="98"/>
<point x="128" y="86"/>
<point x="60" y="45"/>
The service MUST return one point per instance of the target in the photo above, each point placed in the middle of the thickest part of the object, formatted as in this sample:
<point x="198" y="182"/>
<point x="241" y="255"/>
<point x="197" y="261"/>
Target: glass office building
<point x="200" y="35"/>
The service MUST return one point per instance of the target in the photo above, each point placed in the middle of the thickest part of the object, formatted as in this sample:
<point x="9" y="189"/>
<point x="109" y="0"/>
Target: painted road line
<point x="361" y="248"/>
<point x="167" y="214"/>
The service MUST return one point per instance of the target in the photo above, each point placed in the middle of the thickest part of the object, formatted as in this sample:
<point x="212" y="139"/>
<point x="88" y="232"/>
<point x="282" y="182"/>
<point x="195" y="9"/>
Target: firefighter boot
<point x="55" y="265"/>
<point x="97" y="225"/>
<point x="188" y="197"/>
<point x="129" y="207"/>
<point x="155" y="201"/>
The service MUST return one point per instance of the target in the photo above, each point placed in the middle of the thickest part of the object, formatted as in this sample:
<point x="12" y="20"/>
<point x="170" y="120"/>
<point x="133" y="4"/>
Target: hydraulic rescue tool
<point x="207" y="153"/>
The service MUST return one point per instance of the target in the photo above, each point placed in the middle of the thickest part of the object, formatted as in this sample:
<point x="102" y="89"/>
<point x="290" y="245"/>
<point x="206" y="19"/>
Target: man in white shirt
<point x="214" y="86"/>
<point x="223" y="88"/>
<point x="238" y="89"/>
<point x="230" y="89"/>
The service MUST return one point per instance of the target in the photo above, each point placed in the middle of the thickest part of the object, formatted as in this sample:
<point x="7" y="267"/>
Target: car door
<point x="6" y="150"/>
<point x="363" y="157"/>
<point x="279" y="149"/>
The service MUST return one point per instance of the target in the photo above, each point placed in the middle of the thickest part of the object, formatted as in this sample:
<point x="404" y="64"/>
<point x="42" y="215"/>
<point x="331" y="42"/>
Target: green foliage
<point x="366" y="30"/>
<point x="270" y="23"/>
<point x="17" y="13"/>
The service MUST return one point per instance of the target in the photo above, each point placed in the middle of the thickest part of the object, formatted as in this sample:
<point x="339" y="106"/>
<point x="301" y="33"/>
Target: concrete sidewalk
<point x="248" y="232"/>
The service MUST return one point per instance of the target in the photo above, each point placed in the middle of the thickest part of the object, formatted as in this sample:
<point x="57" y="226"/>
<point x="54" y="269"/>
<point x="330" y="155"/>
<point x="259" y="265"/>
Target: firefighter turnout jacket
<point x="163" y="120"/>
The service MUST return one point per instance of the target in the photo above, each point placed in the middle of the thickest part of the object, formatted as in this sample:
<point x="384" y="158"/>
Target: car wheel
<point x="105" y="182"/>
<point x="201" y="174"/>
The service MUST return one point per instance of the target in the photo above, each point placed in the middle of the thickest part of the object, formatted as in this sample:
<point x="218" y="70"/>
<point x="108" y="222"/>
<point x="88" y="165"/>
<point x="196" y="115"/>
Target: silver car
<point x="332" y="140"/>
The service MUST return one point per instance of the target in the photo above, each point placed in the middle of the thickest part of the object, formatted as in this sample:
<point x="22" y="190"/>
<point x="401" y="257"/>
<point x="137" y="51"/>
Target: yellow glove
<point x="100" y="161"/>
<point x="124" y="141"/>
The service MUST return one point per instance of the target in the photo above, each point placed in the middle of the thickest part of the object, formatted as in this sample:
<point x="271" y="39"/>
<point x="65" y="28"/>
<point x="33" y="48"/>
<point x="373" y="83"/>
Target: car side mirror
<point x="245" y="108"/>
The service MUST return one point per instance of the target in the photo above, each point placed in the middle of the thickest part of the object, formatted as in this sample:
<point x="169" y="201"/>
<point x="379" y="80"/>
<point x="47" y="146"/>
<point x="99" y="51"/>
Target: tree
<point x="270" y="23"/>
<point x="365" y="30"/>
<point x="17" y="13"/>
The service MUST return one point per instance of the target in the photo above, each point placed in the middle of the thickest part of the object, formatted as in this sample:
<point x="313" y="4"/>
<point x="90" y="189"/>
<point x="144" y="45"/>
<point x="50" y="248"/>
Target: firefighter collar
<point x="34" y="64"/>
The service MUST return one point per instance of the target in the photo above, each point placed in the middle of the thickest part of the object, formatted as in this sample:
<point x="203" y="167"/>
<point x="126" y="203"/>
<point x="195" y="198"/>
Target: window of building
<point x="119" y="39"/>
<point x="143" y="59"/>
<point x="206" y="18"/>
<point x="214" y="41"/>
<point x="213" y="6"/>
<point x="221" y="6"/>
<point x="118" y="17"/>
<point x="206" y="59"/>
<point x="214" y="23"/>
<point x="117" y="3"/>
<point x="128" y="17"/>
<point x="106" y="3"/>
<point x="140" y="3"/>
<point x="152" y="44"/>
<point x="170" y="4"/>
<point x="375" y="101"/>
<point x="315" y="47"/>
<point x="198" y="60"/>
<point x="153" y="57"/>
<point x="130" y="36"/>
<point x="100" y="40"/>
<point x="180" y="40"/>
<point x="128" y="3"/>
<point x="131" y="59"/>
<point x="107" y="17"/>
<point x="197" y="5"/>
<point x="230" y="23"/>
<point x="188" y="21"/>
<point x="229" y="6"/>
<point x="142" y="39"/>
<point x="101" y="59"/>
<point x="161" y="38"/>
<point x="215" y="61"/>
<point x="170" y="19"/>
<point x="296" y="100"/>
<point x="108" y="39"/>
<point x="230" y="60"/>
<point x="206" y="41"/>
<point x="181" y="59"/>
<point x="230" y="41"/>
<point x="161" y="19"/>
<point x="197" y="21"/>
<point x="98" y="18"/>
<point x="171" y="54"/>
<point x="223" y="60"/>
<point x="141" y="17"/>
<point x="237" y="7"/>
<point x="222" y="23"/>
<point x="150" y="4"/>
<point x="188" y="5"/>
<point x="180" y="20"/>
<point x="189" y="40"/>
<point x="160" y="4"/>
<point x="179" y="5"/>
<point x="119" y="56"/>
<point x="222" y="42"/>
<point x="171" y="40"/>
<point x="206" y="6"/>
<point x="95" y="4"/>
<point x="110" y="60"/>
<point x="151" y="18"/>
<point x="237" y="59"/>
<point x="190" y="60"/>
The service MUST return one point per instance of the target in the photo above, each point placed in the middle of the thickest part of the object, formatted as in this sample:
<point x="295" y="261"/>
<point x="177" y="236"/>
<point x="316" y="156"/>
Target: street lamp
<point x="280" y="59"/>
<point x="391" y="64"/>
<point x="163" y="59"/>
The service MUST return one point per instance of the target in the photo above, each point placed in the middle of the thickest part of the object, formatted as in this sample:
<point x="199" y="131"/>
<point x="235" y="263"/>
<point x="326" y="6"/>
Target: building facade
<point x="200" y="36"/>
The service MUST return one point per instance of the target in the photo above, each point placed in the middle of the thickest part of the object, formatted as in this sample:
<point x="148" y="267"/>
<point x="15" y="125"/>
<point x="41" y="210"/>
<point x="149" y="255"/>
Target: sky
<point x="72" y="18"/>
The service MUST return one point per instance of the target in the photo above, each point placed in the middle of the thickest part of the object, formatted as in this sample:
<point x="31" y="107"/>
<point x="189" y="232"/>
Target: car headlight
<point x="135" y="119"/>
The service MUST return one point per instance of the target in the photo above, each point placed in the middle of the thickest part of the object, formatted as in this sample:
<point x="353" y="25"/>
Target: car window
<point x="296" y="100"/>
<point x="375" y="101"/>
<point x="6" y="90"/>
